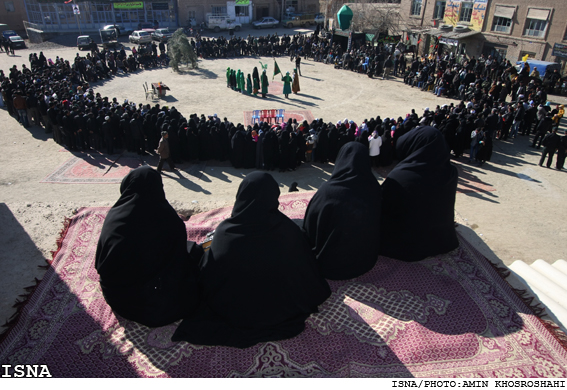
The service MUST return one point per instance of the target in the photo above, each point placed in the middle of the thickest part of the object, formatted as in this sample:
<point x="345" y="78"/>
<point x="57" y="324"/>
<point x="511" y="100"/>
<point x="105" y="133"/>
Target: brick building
<point x="502" y="28"/>
<point x="244" y="11"/>
<point x="13" y="13"/>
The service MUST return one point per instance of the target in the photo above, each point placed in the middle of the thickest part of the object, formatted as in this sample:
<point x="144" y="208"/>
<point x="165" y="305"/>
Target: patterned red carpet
<point x="446" y="316"/>
<point x="299" y="115"/>
<point x="92" y="169"/>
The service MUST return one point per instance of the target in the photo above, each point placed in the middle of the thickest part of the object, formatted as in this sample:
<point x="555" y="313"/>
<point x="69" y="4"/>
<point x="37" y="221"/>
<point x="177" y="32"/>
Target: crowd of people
<point x="262" y="276"/>
<point x="58" y="95"/>
<point x="149" y="273"/>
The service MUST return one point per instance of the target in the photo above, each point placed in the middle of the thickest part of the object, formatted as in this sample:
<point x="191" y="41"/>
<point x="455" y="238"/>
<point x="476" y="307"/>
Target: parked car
<point x="119" y="28"/>
<point x="221" y="22"/>
<point x="162" y="35"/>
<point x="140" y="36"/>
<point x="266" y="22"/>
<point x="18" y="42"/>
<point x="9" y="33"/>
<point x="297" y="20"/>
<point x="84" y="42"/>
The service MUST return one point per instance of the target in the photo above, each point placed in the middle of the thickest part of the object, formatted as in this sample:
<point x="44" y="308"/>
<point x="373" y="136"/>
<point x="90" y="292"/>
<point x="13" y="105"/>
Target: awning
<point x="452" y="34"/>
<point x="539" y="14"/>
<point x="502" y="11"/>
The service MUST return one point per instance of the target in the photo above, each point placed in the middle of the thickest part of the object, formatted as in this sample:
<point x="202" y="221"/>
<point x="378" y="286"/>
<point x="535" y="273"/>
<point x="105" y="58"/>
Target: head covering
<point x="258" y="252"/>
<point x="419" y="198"/>
<point x="344" y="211"/>
<point x="141" y="255"/>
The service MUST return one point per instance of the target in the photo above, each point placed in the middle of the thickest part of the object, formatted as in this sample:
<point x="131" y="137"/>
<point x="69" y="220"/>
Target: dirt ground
<point x="512" y="209"/>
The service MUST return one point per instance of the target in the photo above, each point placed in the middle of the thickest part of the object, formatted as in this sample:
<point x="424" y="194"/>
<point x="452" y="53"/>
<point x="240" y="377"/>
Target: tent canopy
<point x="344" y="16"/>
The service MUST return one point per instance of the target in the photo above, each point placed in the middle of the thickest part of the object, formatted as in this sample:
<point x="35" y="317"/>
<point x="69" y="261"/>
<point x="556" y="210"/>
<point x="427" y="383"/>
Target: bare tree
<point x="370" y="16"/>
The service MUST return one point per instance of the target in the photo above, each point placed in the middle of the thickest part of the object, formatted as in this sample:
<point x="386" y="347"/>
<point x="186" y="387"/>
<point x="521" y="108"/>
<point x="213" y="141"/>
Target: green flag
<point x="276" y="69"/>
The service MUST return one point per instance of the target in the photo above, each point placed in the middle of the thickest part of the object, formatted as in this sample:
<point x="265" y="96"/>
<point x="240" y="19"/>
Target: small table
<point x="160" y="89"/>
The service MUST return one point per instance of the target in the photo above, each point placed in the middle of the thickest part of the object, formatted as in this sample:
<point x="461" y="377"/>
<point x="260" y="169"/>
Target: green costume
<point x="238" y="84"/>
<point x="248" y="84"/>
<point x="228" y="77"/>
<point x="265" y="84"/>
<point x="286" y="84"/>
<point x="241" y="82"/>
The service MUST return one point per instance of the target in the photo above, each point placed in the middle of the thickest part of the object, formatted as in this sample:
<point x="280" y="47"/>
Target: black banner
<point x="160" y="6"/>
<point x="559" y="50"/>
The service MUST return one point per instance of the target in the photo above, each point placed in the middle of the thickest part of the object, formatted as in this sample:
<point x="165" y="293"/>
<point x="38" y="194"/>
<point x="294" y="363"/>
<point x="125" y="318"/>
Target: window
<point x="535" y="28"/>
<point x="502" y="24"/>
<point x="9" y="6"/>
<point x="529" y="53"/>
<point x="439" y="12"/>
<point x="218" y="10"/>
<point x="536" y="22"/>
<point x="466" y="11"/>
<point x="415" y="7"/>
<point x="242" y="10"/>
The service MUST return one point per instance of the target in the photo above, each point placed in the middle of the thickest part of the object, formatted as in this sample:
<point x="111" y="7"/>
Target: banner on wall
<point x="240" y="3"/>
<point x="453" y="9"/>
<point x="559" y="50"/>
<point x="129" y="5"/>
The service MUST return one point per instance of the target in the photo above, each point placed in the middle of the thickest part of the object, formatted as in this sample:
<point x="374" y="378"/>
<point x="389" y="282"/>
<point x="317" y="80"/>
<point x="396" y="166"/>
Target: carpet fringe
<point x="22" y="299"/>
<point x="538" y="309"/>
<point x="554" y="329"/>
<point x="59" y="242"/>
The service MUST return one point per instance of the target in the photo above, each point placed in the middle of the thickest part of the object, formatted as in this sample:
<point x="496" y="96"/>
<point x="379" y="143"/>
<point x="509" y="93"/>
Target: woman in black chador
<point x="146" y="273"/>
<point x="342" y="219"/>
<point x="259" y="279"/>
<point x="418" y="198"/>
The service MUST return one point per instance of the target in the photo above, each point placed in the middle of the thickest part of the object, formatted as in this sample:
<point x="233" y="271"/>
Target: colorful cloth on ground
<point x="93" y="168"/>
<point x="447" y="316"/>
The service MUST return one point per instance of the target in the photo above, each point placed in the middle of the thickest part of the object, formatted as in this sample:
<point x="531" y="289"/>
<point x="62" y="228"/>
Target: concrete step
<point x="545" y="282"/>
<point x="552" y="273"/>
<point x="561" y="265"/>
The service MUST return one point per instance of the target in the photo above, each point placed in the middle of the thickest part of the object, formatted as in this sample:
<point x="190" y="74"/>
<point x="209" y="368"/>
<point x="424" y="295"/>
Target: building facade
<point x="521" y="27"/>
<point x="58" y="16"/>
<point x="13" y="13"/>
<point x="244" y="11"/>
<point x="507" y="29"/>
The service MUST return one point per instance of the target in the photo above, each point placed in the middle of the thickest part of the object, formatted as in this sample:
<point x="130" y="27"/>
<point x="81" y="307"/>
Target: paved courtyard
<point x="509" y="208"/>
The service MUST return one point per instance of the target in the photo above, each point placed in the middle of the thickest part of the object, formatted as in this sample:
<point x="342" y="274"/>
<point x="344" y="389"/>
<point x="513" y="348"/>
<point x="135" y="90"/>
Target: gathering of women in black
<point x="262" y="276"/>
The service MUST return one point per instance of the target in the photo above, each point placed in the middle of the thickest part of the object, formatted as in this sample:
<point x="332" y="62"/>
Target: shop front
<point x="85" y="16"/>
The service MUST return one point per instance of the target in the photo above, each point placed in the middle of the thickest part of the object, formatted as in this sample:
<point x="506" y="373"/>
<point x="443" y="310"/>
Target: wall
<point x="15" y="19"/>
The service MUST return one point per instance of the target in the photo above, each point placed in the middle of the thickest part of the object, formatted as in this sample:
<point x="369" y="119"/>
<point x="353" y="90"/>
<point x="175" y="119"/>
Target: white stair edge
<point x="533" y="278"/>
<point x="561" y="265"/>
<point x="554" y="311"/>
<point x="555" y="275"/>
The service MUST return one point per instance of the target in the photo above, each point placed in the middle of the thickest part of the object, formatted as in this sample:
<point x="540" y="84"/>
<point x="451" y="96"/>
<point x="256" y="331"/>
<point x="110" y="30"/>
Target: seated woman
<point x="342" y="219"/>
<point x="146" y="272"/>
<point x="418" y="198"/>
<point x="259" y="279"/>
